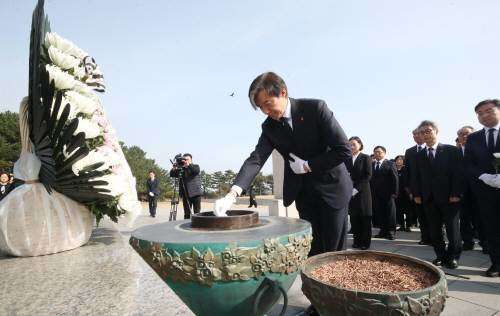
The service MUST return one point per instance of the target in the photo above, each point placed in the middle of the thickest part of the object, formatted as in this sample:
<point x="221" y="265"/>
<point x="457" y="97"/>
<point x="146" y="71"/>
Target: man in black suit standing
<point x="153" y="186"/>
<point x="479" y="158"/>
<point x="469" y="213"/>
<point x="410" y="163"/>
<point x="307" y="135"/>
<point x="315" y="148"/>
<point x="189" y="185"/>
<point x="438" y="183"/>
<point x="384" y="185"/>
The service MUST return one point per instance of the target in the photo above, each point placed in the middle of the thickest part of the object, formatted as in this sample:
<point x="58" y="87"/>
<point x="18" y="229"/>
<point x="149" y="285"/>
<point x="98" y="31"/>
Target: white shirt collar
<point x="288" y="110"/>
<point x="381" y="161"/>
<point x="355" y="156"/>
<point x="434" y="147"/>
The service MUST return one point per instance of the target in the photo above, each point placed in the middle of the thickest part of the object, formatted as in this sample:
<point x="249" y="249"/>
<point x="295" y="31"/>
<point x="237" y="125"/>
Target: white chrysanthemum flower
<point x="82" y="103"/>
<point x="497" y="155"/>
<point x="62" y="80"/>
<point x="90" y="128"/>
<point x="61" y="59"/>
<point x="66" y="46"/>
<point x="115" y="184"/>
<point x="83" y="89"/>
<point x="92" y="158"/>
<point x="79" y="72"/>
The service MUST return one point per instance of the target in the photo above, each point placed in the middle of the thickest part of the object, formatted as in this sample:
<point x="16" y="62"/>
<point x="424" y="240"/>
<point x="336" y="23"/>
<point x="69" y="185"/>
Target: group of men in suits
<point x="458" y="188"/>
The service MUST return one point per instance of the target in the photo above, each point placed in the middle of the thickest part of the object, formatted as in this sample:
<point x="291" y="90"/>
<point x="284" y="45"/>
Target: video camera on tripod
<point x="177" y="172"/>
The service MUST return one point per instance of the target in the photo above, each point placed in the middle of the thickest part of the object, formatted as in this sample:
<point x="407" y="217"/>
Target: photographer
<point x="189" y="184"/>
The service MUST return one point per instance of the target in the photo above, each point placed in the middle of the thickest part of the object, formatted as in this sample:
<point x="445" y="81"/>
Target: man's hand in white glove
<point x="354" y="191"/>
<point x="493" y="180"/>
<point x="298" y="165"/>
<point x="151" y="194"/>
<point x="224" y="204"/>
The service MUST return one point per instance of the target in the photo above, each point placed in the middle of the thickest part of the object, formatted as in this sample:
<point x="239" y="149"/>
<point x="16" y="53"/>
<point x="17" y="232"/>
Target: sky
<point x="170" y="66"/>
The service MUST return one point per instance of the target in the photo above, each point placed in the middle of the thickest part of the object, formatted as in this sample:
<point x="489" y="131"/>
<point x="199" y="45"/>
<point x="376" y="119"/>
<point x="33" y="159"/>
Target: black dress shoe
<point x="311" y="311"/>
<point x="381" y="234"/>
<point x="437" y="262"/>
<point x="485" y="250"/>
<point x="493" y="271"/>
<point x="452" y="264"/>
<point x="408" y="230"/>
<point x="401" y="229"/>
<point x="355" y="246"/>
<point x="390" y="237"/>
<point x="425" y="242"/>
<point x="364" y="247"/>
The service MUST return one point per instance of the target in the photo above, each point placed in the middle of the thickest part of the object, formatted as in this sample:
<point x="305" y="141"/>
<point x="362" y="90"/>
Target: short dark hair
<point x="400" y="156"/>
<point x="151" y="171"/>
<point x="188" y="155"/>
<point x="428" y="123"/>
<point x="495" y="102"/>
<point x="6" y="173"/>
<point x="268" y="81"/>
<point x="358" y="140"/>
<point x="381" y="147"/>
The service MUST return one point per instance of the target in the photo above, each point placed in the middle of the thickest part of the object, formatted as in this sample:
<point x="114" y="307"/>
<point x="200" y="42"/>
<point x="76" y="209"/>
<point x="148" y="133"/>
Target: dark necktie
<point x="377" y="166"/>
<point x="430" y="154"/>
<point x="491" y="140"/>
<point x="419" y="148"/>
<point x="284" y="122"/>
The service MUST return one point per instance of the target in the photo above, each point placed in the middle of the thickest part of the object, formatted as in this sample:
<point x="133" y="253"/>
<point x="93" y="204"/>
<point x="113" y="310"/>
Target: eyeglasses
<point x="426" y="131"/>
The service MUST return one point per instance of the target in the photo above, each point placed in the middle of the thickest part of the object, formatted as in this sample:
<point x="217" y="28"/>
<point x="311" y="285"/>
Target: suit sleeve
<point x="365" y="175"/>
<point x="254" y="162"/>
<point x="405" y="177"/>
<point x="472" y="171"/>
<point x="395" y="179"/>
<point x="335" y="138"/>
<point x="414" y="177"/>
<point x="458" y="179"/>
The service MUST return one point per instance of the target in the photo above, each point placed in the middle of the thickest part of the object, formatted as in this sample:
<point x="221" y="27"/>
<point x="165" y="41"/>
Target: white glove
<point x="354" y="191"/>
<point x="298" y="165"/>
<point x="493" y="180"/>
<point x="224" y="204"/>
<point x="151" y="194"/>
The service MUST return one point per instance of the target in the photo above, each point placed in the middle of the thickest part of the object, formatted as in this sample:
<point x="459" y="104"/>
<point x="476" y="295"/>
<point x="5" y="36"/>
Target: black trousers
<point x="191" y="202"/>
<point x="153" y="203"/>
<point x="253" y="202"/>
<point x="329" y="225"/>
<point x="425" y="234"/>
<point x="489" y="207"/>
<point x="447" y="214"/>
<point x="386" y="209"/>
<point x="470" y="220"/>
<point x="403" y="213"/>
<point x="361" y="230"/>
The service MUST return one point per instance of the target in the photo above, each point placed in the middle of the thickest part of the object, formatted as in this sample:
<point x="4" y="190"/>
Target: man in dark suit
<point x="307" y="135"/>
<point x="410" y="161"/>
<point x="153" y="186"/>
<point x="189" y="186"/>
<point x="315" y="148"/>
<point x="469" y="213"/>
<point x="438" y="184"/>
<point x="485" y="183"/>
<point x="384" y="185"/>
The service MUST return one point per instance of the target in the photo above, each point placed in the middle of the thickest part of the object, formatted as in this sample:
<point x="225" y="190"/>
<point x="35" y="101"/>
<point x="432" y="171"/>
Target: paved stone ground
<point x="106" y="277"/>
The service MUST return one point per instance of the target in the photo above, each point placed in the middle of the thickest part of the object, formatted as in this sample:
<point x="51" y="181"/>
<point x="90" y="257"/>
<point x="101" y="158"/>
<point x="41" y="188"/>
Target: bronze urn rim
<point x="235" y="219"/>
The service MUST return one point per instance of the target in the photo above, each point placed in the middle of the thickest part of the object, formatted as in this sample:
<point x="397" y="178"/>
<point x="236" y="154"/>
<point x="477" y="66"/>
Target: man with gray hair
<point x="437" y="183"/>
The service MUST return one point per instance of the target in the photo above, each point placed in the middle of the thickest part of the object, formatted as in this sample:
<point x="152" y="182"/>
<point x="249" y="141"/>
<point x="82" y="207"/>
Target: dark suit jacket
<point x="153" y="186"/>
<point x="191" y="179"/>
<point x="479" y="160"/>
<point x="318" y="138"/>
<point x="361" y="173"/>
<point x="8" y="188"/>
<point x="410" y="162"/>
<point x="442" y="178"/>
<point x="385" y="182"/>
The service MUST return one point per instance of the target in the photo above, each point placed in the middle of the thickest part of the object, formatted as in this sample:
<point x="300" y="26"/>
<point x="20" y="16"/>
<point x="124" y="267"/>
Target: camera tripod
<point x="174" y="201"/>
